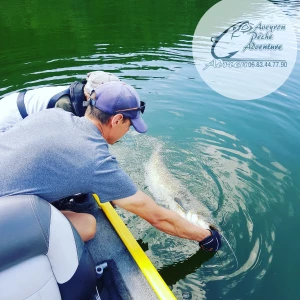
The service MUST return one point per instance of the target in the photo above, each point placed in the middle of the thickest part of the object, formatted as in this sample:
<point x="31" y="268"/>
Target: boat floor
<point x="107" y="246"/>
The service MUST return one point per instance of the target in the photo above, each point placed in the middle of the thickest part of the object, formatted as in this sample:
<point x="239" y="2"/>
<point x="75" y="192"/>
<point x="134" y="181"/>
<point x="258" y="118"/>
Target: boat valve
<point x="100" y="268"/>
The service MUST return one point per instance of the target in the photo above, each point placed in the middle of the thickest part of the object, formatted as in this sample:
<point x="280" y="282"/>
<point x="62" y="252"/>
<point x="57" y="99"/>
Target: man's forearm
<point x="173" y="224"/>
<point x="162" y="218"/>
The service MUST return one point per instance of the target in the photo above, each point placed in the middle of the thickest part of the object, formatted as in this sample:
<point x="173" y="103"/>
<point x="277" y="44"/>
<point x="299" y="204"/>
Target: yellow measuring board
<point x="155" y="280"/>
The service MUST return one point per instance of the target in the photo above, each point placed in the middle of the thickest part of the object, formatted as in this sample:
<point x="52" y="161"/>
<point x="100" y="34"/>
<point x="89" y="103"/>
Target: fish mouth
<point x="235" y="35"/>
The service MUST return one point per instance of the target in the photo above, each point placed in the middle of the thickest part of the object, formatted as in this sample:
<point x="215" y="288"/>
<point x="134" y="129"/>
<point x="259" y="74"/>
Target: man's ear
<point x="117" y="119"/>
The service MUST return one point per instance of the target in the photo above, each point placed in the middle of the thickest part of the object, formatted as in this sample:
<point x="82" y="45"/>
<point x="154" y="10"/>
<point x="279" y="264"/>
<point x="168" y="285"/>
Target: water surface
<point x="239" y="158"/>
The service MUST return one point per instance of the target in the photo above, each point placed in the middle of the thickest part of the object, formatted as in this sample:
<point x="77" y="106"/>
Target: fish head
<point x="240" y="28"/>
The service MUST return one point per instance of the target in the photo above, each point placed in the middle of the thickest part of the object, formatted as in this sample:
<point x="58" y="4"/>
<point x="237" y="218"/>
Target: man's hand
<point x="211" y="243"/>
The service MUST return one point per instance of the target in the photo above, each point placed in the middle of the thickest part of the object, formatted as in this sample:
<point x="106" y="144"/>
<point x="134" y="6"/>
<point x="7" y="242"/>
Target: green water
<point x="239" y="158"/>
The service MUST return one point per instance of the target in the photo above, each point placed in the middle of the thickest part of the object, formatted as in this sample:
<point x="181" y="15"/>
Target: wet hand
<point x="213" y="242"/>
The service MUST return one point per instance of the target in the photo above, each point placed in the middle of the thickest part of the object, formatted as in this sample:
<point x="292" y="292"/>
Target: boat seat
<point x="41" y="254"/>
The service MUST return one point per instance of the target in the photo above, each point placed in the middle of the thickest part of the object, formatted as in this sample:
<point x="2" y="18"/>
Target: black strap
<point x="56" y="97"/>
<point x="77" y="98"/>
<point x="21" y="105"/>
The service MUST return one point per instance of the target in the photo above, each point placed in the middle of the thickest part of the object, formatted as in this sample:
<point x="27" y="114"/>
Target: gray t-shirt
<point x="54" y="154"/>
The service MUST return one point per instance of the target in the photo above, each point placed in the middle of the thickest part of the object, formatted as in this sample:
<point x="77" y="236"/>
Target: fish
<point x="169" y="191"/>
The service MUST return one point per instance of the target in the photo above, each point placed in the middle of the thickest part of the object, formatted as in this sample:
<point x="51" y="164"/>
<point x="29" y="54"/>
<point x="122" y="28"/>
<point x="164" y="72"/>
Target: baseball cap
<point x="96" y="78"/>
<point x="118" y="97"/>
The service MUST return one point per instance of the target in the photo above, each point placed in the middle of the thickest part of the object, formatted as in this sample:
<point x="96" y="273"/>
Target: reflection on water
<point x="241" y="191"/>
<point x="251" y="190"/>
<point x="239" y="160"/>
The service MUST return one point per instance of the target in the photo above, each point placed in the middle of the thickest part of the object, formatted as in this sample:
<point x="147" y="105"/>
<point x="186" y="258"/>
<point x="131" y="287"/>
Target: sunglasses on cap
<point x="141" y="108"/>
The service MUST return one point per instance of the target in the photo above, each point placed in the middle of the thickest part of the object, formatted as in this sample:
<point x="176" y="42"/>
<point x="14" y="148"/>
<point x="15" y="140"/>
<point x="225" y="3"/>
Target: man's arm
<point x="64" y="103"/>
<point x="161" y="218"/>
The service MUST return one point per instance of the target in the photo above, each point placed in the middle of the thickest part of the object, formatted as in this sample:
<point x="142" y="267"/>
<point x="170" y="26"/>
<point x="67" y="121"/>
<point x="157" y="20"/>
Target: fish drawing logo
<point x="235" y="31"/>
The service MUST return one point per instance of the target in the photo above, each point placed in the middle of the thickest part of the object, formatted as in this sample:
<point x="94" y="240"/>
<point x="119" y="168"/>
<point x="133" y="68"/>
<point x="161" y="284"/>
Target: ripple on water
<point x="230" y="180"/>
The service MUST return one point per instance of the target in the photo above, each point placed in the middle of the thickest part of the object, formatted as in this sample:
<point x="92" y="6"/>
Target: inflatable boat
<point x="43" y="257"/>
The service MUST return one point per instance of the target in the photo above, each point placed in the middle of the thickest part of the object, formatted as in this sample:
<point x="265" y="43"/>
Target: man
<point x="54" y="154"/>
<point x="17" y="106"/>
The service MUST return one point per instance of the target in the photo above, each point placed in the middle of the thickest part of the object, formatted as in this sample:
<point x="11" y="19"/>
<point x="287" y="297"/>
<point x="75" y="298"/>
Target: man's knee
<point x="84" y="223"/>
<point x="91" y="226"/>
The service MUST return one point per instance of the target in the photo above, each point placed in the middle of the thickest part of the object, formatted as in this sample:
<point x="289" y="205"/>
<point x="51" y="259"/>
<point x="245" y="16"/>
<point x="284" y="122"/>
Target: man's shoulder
<point x="58" y="113"/>
<point x="53" y="119"/>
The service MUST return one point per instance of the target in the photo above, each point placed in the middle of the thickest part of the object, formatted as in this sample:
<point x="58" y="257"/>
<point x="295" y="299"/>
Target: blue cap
<point x="118" y="97"/>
